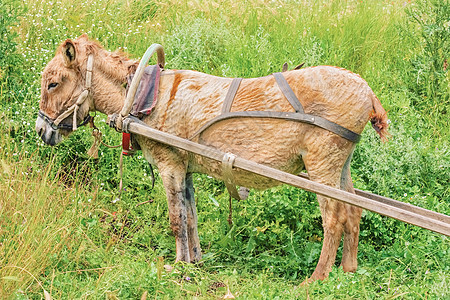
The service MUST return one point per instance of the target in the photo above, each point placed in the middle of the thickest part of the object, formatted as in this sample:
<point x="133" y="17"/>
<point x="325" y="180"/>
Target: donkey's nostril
<point x="40" y="132"/>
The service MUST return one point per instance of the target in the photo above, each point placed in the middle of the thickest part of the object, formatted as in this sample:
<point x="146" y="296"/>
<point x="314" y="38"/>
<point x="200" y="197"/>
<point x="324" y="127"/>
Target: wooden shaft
<point x="396" y="211"/>
<point x="399" y="204"/>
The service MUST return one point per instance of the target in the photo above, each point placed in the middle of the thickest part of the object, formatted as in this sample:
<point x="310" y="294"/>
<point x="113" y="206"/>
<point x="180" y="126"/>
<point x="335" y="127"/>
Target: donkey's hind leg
<point x="324" y="163"/>
<point x="194" y="242"/>
<point x="349" y="261"/>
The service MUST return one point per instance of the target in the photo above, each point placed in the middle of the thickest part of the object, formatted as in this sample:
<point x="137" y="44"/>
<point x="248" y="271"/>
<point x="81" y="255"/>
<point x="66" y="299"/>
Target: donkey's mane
<point x="116" y="64"/>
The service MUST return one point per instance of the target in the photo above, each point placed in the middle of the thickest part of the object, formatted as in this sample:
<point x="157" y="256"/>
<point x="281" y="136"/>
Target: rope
<point x="93" y="152"/>
<point x="112" y="147"/>
<point x="230" y="214"/>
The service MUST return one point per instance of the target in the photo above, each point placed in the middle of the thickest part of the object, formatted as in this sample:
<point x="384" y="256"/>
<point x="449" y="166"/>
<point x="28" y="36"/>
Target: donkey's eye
<point x="52" y="85"/>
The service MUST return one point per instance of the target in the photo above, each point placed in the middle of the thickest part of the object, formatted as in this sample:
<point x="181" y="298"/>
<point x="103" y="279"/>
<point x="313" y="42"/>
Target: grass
<point x="63" y="231"/>
<point x="38" y="218"/>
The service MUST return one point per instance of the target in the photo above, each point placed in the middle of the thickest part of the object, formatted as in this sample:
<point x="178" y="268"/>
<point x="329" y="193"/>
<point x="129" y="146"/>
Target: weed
<point x="63" y="231"/>
<point x="429" y="27"/>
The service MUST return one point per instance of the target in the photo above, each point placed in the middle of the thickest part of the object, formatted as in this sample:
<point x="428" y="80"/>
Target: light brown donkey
<point x="189" y="99"/>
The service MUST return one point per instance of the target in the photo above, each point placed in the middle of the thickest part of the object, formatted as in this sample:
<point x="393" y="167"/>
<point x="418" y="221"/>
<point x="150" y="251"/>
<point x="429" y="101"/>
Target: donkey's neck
<point x="109" y="78"/>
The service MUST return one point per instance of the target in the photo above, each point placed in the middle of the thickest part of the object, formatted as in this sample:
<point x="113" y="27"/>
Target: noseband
<point x="55" y="126"/>
<point x="56" y="123"/>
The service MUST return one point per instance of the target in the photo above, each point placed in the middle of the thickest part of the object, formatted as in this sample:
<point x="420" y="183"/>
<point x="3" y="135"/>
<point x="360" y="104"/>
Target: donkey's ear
<point x="68" y="52"/>
<point x="84" y="36"/>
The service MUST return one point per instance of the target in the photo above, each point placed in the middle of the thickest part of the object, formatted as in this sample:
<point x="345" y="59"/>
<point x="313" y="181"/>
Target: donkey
<point x="189" y="99"/>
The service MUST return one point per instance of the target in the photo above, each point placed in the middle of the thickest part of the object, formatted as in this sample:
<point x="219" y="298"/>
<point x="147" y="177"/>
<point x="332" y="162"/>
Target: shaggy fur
<point x="188" y="99"/>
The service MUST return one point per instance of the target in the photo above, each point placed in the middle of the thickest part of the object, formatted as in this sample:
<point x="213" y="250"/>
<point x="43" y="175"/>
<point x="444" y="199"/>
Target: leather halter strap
<point x="81" y="98"/>
<point x="52" y="124"/>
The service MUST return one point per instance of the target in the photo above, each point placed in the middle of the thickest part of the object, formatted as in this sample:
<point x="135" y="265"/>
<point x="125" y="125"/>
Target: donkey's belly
<point x="274" y="143"/>
<point x="241" y="177"/>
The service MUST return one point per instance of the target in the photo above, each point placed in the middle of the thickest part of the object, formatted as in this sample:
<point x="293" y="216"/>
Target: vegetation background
<point x="65" y="234"/>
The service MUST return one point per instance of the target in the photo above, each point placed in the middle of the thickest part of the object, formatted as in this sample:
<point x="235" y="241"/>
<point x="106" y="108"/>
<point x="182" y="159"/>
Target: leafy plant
<point x="10" y="60"/>
<point x="80" y="240"/>
<point x="429" y="28"/>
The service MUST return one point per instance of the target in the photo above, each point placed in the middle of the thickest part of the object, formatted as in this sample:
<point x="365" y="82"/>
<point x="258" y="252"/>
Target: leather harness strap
<point x="288" y="92"/>
<point x="288" y="116"/>
<point x="227" y="174"/>
<point x="311" y="119"/>
<point x="228" y="159"/>
<point x="232" y="90"/>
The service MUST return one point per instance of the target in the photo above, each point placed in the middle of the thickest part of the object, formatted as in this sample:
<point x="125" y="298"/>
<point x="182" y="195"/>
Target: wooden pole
<point x="402" y="205"/>
<point x="381" y="205"/>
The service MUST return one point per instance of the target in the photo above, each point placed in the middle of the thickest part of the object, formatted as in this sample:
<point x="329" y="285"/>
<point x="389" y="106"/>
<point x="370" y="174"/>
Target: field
<point x="67" y="233"/>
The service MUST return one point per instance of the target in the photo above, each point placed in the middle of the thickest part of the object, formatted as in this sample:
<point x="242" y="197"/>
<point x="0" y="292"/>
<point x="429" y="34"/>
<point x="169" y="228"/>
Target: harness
<point x="144" y="101"/>
<point x="298" y="116"/>
<point x="56" y="123"/>
<point x="148" y="88"/>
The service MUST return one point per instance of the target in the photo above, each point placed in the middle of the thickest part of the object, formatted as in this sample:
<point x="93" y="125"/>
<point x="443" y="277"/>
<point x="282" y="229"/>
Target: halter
<point x="55" y="124"/>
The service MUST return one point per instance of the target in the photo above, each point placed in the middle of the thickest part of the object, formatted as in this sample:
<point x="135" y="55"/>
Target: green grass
<point x="62" y="230"/>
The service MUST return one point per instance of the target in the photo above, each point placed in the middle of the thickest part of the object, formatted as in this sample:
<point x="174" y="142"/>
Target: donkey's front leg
<point x="194" y="242"/>
<point x="173" y="177"/>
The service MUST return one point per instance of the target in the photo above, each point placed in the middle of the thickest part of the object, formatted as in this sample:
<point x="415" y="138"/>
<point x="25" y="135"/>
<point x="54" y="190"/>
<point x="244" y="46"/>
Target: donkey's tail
<point x="379" y="119"/>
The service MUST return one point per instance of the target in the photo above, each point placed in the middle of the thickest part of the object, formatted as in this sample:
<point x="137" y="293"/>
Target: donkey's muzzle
<point x="48" y="133"/>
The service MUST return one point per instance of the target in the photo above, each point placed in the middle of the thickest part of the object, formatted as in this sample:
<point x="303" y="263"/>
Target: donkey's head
<point x="72" y="85"/>
<point x="65" y="91"/>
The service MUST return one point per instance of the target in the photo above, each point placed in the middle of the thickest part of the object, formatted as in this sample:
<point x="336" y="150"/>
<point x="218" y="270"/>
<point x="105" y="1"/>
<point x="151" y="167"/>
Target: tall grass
<point x="63" y="230"/>
<point x="38" y="219"/>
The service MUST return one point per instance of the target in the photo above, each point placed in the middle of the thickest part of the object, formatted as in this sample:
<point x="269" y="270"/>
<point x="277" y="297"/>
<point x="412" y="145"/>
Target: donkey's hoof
<point x="306" y="282"/>
<point x="168" y="268"/>
<point x="243" y="193"/>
